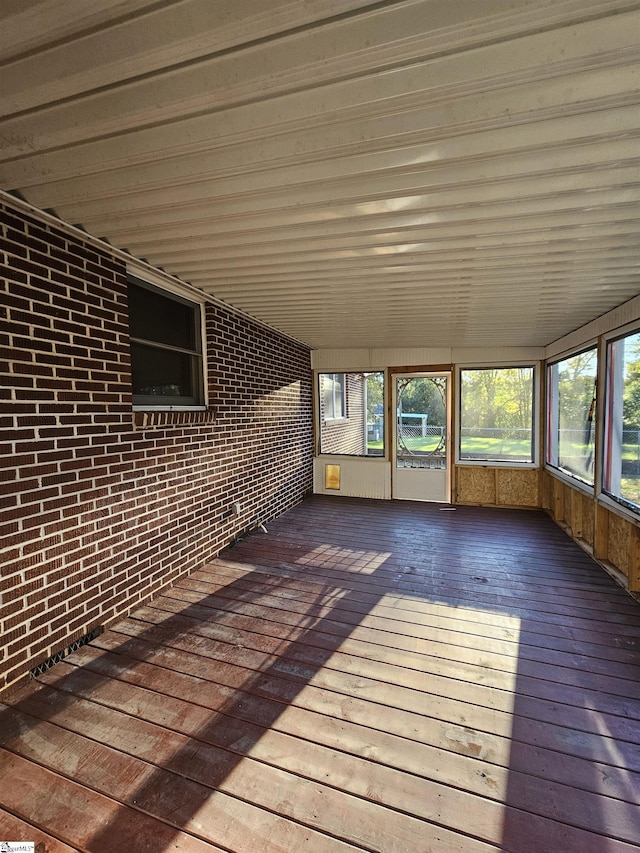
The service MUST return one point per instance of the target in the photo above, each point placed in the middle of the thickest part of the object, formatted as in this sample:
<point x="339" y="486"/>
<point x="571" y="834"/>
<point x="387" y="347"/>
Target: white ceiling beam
<point x="159" y="37"/>
<point x="582" y="192"/>
<point x="100" y="163"/>
<point x="557" y="240"/>
<point x="270" y="71"/>
<point x="396" y="173"/>
<point x="355" y="233"/>
<point x="29" y="25"/>
<point x="365" y="174"/>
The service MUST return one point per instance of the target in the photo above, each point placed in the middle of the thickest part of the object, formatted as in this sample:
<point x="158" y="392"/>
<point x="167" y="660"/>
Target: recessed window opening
<point x="351" y="411"/>
<point x="621" y="468"/>
<point x="166" y="348"/>
<point x="571" y="410"/>
<point x="497" y="415"/>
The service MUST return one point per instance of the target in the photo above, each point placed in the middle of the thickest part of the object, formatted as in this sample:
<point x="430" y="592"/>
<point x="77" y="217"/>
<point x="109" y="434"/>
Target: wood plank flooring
<point x="368" y="675"/>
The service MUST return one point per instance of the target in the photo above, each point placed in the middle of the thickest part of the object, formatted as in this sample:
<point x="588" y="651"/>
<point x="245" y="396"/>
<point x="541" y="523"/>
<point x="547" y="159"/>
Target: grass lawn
<point x="630" y="489"/>
<point x="500" y="448"/>
<point x="514" y="449"/>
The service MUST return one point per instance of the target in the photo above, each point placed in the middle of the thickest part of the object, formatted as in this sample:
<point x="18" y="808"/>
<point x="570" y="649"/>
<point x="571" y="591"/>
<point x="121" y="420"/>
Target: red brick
<point x="131" y="501"/>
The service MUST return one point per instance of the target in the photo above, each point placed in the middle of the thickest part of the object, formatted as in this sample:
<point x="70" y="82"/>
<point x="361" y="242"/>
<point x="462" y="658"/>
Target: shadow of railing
<point x="199" y="700"/>
<point x="202" y="681"/>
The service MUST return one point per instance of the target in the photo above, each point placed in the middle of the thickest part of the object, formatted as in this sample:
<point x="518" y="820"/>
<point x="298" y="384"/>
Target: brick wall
<point x="346" y="436"/>
<point x="102" y="507"/>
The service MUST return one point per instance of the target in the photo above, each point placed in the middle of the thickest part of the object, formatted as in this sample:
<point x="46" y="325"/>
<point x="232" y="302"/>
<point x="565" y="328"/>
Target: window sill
<point x="165" y="408"/>
<point x="578" y="485"/>
<point x="490" y="463"/>
<point x="619" y="509"/>
<point x="339" y="456"/>
<point x="144" y="418"/>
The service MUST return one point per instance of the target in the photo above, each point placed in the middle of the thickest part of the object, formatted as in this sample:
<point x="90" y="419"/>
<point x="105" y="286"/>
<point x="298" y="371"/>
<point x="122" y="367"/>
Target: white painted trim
<point x="371" y="360"/>
<point x="198" y="301"/>
<point x="536" y="404"/>
<point x="142" y="268"/>
<point x="165" y="282"/>
<point x="618" y="509"/>
<point x="576" y="484"/>
<point x="613" y="322"/>
<point x="169" y="409"/>
<point x="576" y="350"/>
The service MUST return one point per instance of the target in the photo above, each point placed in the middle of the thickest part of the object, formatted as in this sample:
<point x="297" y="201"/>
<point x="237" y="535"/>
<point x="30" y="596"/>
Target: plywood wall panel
<point x="476" y="485"/>
<point x="619" y="549"/>
<point x="588" y="519"/>
<point x="633" y="573"/>
<point x="601" y="532"/>
<point x="567" y="506"/>
<point x="574" y="500"/>
<point x="557" y="508"/>
<point x="613" y="539"/>
<point x="498" y="486"/>
<point x="517" y="487"/>
<point x="547" y="491"/>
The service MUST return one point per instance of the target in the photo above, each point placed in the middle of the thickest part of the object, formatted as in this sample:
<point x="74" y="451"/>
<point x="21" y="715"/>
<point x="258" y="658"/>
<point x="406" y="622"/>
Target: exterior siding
<point x="103" y="507"/>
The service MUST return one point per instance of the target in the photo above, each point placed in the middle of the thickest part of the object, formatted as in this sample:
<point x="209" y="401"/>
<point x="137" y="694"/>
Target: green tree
<point x="576" y="388"/>
<point x="500" y="397"/>
<point x="375" y="394"/>
<point x="631" y="399"/>
<point x="424" y="396"/>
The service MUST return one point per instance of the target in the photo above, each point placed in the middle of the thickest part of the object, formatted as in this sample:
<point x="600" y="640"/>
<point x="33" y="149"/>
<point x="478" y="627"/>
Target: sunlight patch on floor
<point x="345" y="559"/>
<point x="486" y="614"/>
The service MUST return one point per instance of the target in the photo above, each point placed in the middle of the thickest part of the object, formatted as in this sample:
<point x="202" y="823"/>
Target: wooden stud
<point x="634" y="559"/>
<point x="558" y="502"/>
<point x="576" y="514"/>
<point x="588" y="519"/>
<point x="601" y="533"/>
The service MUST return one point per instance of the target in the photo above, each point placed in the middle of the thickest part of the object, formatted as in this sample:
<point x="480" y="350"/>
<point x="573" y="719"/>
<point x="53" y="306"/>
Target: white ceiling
<point x="354" y="173"/>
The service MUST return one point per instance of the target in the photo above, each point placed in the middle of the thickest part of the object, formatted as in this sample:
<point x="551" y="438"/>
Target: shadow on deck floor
<point x="368" y="675"/>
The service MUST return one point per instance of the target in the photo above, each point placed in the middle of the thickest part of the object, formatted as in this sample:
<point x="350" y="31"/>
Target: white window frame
<point x="550" y="415"/>
<point x="535" y="426"/>
<point x="181" y="293"/>
<point x="319" y="420"/>
<point x="333" y="417"/>
<point x="612" y="404"/>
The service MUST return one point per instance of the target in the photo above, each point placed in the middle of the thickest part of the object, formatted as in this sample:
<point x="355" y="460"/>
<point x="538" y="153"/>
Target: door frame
<point x="409" y="372"/>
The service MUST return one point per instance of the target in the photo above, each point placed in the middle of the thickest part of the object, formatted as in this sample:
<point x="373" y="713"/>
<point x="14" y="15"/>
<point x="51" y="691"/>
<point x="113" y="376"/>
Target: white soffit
<point x="410" y="173"/>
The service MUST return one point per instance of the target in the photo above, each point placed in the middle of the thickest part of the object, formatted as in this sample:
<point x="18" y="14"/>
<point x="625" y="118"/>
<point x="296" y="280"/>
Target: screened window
<point x="622" y="421"/>
<point x="571" y="402"/>
<point x="166" y="353"/>
<point x="351" y="413"/>
<point x="496" y="414"/>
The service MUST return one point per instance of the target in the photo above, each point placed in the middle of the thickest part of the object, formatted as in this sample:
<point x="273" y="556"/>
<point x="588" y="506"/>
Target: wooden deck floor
<point x="365" y="676"/>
